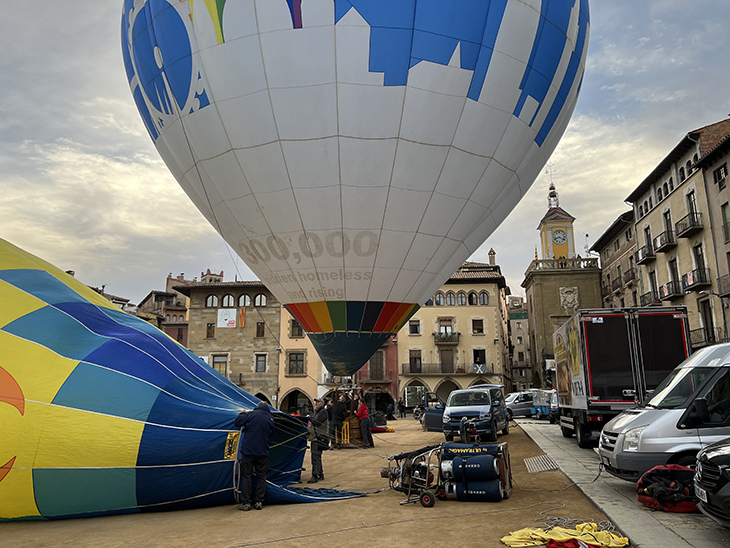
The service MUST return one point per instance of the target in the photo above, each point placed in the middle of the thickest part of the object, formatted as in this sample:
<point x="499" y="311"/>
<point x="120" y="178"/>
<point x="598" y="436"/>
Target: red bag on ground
<point x="669" y="488"/>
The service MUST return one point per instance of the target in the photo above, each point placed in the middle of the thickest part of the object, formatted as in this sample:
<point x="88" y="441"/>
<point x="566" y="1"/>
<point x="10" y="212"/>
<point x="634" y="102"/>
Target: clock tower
<point x="556" y="230"/>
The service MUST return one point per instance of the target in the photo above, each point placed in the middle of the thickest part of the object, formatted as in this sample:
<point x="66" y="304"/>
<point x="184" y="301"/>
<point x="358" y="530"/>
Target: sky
<point x="82" y="186"/>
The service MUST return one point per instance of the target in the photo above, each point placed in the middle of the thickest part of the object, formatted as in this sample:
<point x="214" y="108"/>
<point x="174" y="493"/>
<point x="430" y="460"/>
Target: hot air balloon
<point x="102" y="413"/>
<point x="355" y="152"/>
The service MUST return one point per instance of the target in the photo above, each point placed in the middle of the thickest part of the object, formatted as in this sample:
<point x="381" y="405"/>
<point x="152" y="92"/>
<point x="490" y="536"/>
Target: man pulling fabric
<point x="258" y="426"/>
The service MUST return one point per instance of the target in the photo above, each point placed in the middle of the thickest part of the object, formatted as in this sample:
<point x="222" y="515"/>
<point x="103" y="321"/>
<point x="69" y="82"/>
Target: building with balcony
<point x="459" y="337"/>
<point x="617" y="250"/>
<point x="556" y="286"/>
<point x="519" y="348"/>
<point x="676" y="232"/>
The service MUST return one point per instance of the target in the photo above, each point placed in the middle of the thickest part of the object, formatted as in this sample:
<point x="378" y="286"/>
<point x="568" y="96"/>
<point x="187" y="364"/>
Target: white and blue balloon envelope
<point x="355" y="152"/>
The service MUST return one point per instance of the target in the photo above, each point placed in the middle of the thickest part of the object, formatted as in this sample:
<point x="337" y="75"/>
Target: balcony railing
<point x="665" y="241"/>
<point x="695" y="279"/>
<point x="629" y="276"/>
<point x="670" y="290"/>
<point x="706" y="336"/>
<point x="562" y="264"/>
<point x="688" y="225"/>
<point x="723" y="286"/>
<point x="616" y="285"/>
<point x="645" y="254"/>
<point x="446" y="338"/>
<point x="447" y="369"/>
<point x="605" y="291"/>
<point x="650" y="298"/>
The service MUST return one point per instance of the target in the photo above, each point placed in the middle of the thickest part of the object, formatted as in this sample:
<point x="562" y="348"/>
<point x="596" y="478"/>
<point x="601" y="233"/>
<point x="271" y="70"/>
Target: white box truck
<point x="609" y="359"/>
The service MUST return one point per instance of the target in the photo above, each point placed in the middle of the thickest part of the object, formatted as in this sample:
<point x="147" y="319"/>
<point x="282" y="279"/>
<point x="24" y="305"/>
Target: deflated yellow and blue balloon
<point x="102" y="413"/>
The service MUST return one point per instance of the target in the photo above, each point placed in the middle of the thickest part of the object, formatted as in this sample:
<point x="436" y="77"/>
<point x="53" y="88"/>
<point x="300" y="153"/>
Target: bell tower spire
<point x="553" y="198"/>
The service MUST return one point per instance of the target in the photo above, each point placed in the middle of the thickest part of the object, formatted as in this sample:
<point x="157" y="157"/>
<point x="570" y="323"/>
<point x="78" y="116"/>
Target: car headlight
<point x="631" y="439"/>
<point x="446" y="418"/>
<point x="483" y="416"/>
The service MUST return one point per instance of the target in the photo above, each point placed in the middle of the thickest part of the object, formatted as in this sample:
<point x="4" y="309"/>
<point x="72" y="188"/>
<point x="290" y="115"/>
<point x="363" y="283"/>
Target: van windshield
<point x="463" y="399"/>
<point x="678" y="386"/>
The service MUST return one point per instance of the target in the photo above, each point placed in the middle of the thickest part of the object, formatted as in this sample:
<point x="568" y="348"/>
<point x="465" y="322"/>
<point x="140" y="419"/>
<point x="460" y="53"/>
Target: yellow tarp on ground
<point x="586" y="532"/>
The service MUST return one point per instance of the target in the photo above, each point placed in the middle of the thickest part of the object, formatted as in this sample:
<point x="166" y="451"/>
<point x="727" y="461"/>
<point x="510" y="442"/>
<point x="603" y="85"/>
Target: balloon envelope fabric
<point x="102" y="413"/>
<point x="355" y="153"/>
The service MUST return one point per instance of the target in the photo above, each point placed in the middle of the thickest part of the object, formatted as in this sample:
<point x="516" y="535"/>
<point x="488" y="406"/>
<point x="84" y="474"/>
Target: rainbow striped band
<point x="352" y="316"/>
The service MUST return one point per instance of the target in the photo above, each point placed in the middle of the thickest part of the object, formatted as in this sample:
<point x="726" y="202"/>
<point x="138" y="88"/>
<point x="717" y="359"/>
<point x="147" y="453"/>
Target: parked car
<point x="484" y="403"/>
<point x="712" y="481"/>
<point x="689" y="410"/>
<point x="519" y="404"/>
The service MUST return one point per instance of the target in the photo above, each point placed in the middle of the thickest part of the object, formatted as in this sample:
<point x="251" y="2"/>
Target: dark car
<point x="712" y="481"/>
<point x="482" y="404"/>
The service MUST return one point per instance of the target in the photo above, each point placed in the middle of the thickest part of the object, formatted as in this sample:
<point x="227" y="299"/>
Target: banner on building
<point x="226" y="317"/>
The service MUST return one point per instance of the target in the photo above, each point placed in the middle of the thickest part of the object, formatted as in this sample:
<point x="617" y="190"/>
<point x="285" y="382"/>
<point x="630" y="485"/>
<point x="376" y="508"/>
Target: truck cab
<point x="689" y="410"/>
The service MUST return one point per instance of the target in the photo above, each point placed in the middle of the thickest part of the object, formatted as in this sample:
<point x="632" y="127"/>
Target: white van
<point x="689" y="410"/>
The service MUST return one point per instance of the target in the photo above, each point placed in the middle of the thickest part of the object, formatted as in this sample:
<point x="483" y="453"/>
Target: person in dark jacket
<point x="339" y="412"/>
<point x="389" y="412"/>
<point x="258" y="425"/>
<point x="401" y="408"/>
<point x="364" y="415"/>
<point x="330" y="431"/>
<point x="319" y="439"/>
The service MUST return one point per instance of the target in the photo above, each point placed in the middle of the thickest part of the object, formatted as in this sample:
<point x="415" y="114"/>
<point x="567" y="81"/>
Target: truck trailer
<point x="610" y="359"/>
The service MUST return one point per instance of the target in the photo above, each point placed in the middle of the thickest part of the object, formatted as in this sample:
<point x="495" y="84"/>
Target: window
<point x="688" y="165"/>
<point x="180" y="335"/>
<point x="260" y="300"/>
<point x="681" y="174"/>
<point x="725" y="212"/>
<point x="414" y="327"/>
<point x="210" y="331"/>
<point x="439" y="299"/>
<point x="260" y="363"/>
<point x="473" y="299"/>
<point x="691" y="203"/>
<point x="518" y="325"/>
<point x="668" y="221"/>
<point x="228" y="301"/>
<point x="650" y="203"/>
<point x="450" y="299"/>
<point x="376" y="367"/>
<point x="211" y="301"/>
<point x="414" y="359"/>
<point x="484" y="298"/>
<point x="477" y="327"/>
<point x="522" y="371"/>
<point x="628" y="235"/>
<point x="244" y="300"/>
<point x="666" y="189"/>
<point x="296" y="330"/>
<point x="671" y="184"/>
<point x="296" y="363"/>
<point x="167" y="318"/>
<point x="641" y="211"/>
<point x="461" y="299"/>
<point x="659" y="194"/>
<point x="260" y="329"/>
<point x="521" y="357"/>
<point x="616" y="245"/>
<point x="220" y="364"/>
<point x="719" y="175"/>
<point x="519" y="340"/>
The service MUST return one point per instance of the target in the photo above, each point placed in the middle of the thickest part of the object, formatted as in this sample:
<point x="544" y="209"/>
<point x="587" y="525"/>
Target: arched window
<point x="671" y="184"/>
<point x="484" y="298"/>
<point x="228" y="301"/>
<point x="244" y="300"/>
<point x="461" y="298"/>
<point x="450" y="299"/>
<point x="167" y="318"/>
<point x="174" y="319"/>
<point x="211" y="301"/>
<point x="666" y="189"/>
<point x="659" y="194"/>
<point x="689" y="167"/>
<point x="681" y="174"/>
<point x="641" y="211"/>
<point x="650" y="204"/>
<point x="473" y="300"/>
<point x="439" y="299"/>
<point x="694" y="158"/>
<point x="260" y="300"/>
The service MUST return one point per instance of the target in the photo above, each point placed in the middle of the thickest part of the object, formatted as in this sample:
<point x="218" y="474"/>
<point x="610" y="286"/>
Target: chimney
<point x="492" y="257"/>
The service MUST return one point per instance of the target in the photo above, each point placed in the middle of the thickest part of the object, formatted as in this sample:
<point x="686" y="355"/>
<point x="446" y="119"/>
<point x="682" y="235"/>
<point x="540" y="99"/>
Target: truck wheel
<point x="427" y="499"/>
<point x="582" y="436"/>
<point x="567" y="432"/>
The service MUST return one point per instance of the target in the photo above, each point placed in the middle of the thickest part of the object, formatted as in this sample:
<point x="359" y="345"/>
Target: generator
<point x="451" y="471"/>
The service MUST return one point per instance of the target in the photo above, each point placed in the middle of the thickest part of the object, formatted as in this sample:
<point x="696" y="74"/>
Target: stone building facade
<point x="519" y="343"/>
<point x="235" y="327"/>
<point x="617" y="249"/>
<point x="459" y="337"/>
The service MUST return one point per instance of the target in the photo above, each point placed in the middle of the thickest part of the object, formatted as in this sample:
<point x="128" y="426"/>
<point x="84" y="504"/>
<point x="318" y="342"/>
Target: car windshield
<point x="511" y="397"/>
<point x="678" y="386"/>
<point x="463" y="399"/>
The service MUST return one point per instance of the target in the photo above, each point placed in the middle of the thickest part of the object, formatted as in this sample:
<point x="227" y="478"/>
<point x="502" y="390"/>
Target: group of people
<point x="324" y="432"/>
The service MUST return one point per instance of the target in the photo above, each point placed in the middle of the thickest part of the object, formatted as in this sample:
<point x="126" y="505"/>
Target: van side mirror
<point x="701" y="413"/>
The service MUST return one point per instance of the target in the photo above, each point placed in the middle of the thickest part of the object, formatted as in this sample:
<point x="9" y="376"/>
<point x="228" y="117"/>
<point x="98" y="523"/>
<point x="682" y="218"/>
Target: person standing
<point x="401" y="408"/>
<point x="330" y="429"/>
<point x="364" y="415"/>
<point x="389" y="412"/>
<point x="339" y="412"/>
<point x="318" y="432"/>
<point x="258" y="425"/>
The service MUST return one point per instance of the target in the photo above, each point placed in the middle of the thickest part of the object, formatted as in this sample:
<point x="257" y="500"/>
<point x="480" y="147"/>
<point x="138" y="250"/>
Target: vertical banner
<point x="242" y="322"/>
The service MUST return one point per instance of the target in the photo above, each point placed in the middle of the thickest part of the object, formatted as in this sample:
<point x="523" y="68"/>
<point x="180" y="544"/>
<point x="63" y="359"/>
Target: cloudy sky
<point x="82" y="186"/>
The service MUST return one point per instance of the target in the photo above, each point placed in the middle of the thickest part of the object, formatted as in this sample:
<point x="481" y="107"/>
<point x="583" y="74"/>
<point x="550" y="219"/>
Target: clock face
<point x="559" y="236"/>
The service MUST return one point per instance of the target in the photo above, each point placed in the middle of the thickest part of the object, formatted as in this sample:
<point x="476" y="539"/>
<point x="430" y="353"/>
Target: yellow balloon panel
<point x="17" y="498"/>
<point x="15" y="303"/>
